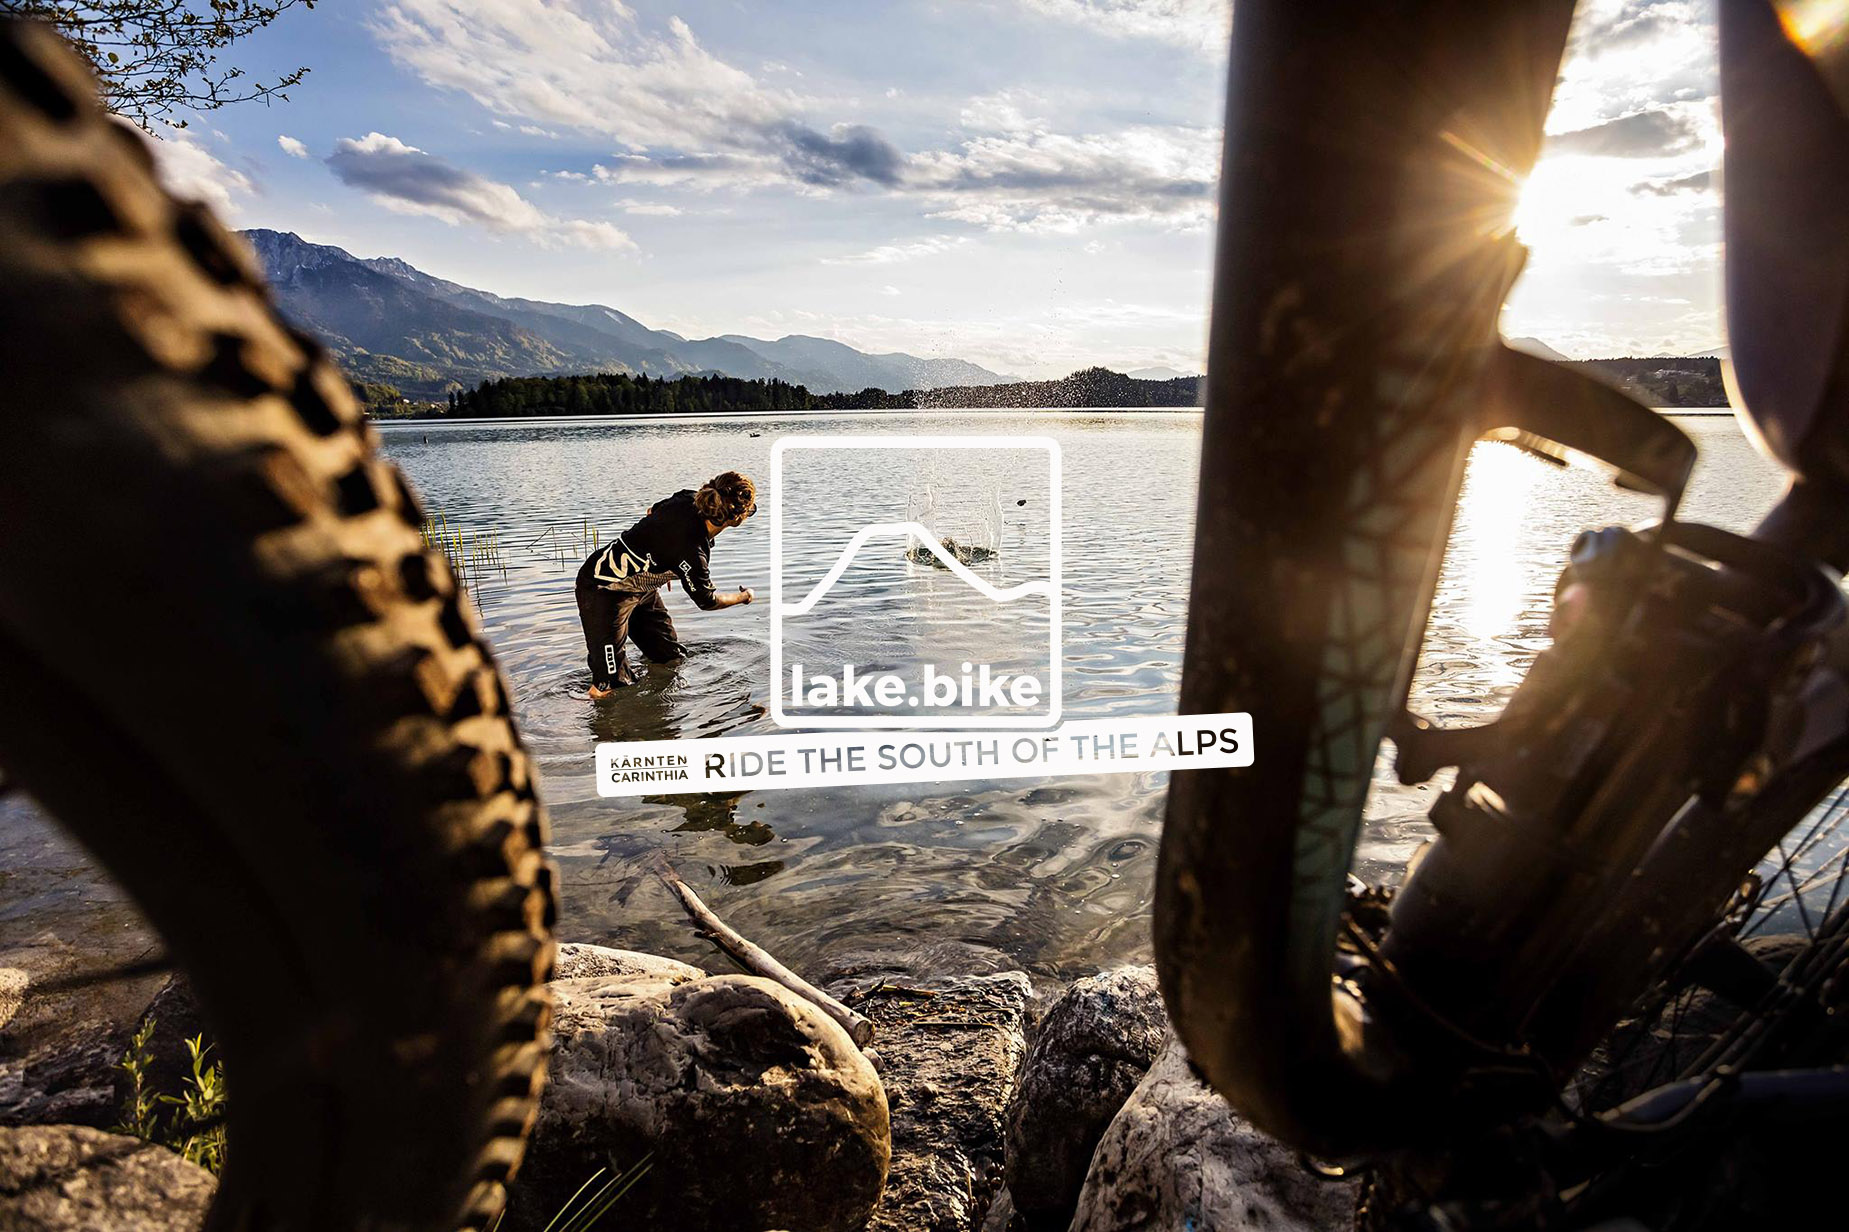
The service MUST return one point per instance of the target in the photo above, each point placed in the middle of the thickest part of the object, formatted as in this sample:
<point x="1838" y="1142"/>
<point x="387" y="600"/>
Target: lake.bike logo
<point x="915" y="582"/>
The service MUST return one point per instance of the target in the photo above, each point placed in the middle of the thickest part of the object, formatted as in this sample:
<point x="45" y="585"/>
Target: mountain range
<point x="390" y="323"/>
<point x="1536" y="348"/>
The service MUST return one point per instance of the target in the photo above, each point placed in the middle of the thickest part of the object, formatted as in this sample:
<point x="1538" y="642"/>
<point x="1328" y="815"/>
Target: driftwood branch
<point x="755" y="960"/>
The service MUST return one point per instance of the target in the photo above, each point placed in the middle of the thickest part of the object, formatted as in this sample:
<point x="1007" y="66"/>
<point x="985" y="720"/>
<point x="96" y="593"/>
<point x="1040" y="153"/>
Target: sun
<point x="1553" y="197"/>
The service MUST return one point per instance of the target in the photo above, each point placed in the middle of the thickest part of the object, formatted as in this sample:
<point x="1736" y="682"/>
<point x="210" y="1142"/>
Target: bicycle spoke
<point x="1810" y="882"/>
<point x="1825" y="823"/>
<point x="1797" y="895"/>
<point x="1802" y="880"/>
<point x="1613" y="1083"/>
<point x="1842" y="871"/>
<point x="1821" y="829"/>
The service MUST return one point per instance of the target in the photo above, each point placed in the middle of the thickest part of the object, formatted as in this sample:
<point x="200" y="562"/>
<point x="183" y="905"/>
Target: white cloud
<point x="1003" y="113"/>
<point x="594" y="66"/>
<point x="892" y="254"/>
<point x="659" y="209"/>
<point x="587" y="66"/>
<point x="587" y="233"/>
<point x="1058" y="182"/>
<point x="681" y="117"/>
<point x="404" y="178"/>
<point x="889" y="289"/>
<point x="1201" y="24"/>
<point x="1626" y="56"/>
<point x="703" y="171"/>
<point x="1654" y="132"/>
<point x="292" y="147"/>
<point x="190" y="170"/>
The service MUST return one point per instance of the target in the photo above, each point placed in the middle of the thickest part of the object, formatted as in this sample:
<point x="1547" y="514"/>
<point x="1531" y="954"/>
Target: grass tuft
<point x="195" y="1126"/>
<point x="582" y="1213"/>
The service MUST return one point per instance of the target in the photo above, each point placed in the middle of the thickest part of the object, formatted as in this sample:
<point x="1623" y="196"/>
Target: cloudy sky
<point x="1027" y="184"/>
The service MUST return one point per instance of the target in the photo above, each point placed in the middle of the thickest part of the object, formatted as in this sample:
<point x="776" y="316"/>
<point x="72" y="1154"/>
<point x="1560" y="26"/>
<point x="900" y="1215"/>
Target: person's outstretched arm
<point x="698" y="583"/>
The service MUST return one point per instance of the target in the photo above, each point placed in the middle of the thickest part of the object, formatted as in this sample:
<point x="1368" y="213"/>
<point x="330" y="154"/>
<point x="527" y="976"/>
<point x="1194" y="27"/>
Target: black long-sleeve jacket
<point x="670" y="541"/>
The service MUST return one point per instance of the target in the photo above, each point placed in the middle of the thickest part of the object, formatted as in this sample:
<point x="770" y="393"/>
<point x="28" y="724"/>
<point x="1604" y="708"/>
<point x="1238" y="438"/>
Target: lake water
<point x="1052" y="875"/>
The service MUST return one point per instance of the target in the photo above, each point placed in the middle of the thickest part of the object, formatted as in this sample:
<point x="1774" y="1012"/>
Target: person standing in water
<point x="619" y="587"/>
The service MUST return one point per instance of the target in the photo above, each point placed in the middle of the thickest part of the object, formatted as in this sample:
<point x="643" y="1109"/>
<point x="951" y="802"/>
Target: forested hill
<point x="1089" y="387"/>
<point x="1691" y="382"/>
<point x="620" y="394"/>
<point x="608" y="393"/>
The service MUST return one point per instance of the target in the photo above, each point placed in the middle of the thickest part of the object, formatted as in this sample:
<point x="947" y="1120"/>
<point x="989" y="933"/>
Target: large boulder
<point x="69" y="1178"/>
<point x="950" y="1056"/>
<point x="1094" y="1045"/>
<point x="70" y="1080"/>
<point x="1177" y="1157"/>
<point x="578" y="960"/>
<point x="753" y="1108"/>
<point x="65" y="1030"/>
<point x="75" y="1075"/>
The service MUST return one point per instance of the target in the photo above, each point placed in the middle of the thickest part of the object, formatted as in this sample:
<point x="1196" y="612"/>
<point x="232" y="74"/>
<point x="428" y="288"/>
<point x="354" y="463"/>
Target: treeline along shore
<point x="621" y="394"/>
<point x="1655" y="381"/>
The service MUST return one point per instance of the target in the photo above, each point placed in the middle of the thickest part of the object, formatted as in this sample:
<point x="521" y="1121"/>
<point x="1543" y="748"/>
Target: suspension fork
<point x="1373" y="155"/>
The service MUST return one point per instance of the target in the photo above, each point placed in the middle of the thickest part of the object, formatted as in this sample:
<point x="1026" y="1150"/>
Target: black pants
<point x="613" y="617"/>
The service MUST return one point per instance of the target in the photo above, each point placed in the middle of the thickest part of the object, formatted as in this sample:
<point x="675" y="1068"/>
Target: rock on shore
<point x="67" y="1178"/>
<point x="577" y="960"/>
<point x="1177" y="1157"/>
<point x="753" y="1107"/>
<point x="73" y="1083"/>
<point x="950" y="1058"/>
<point x="1093" y="1047"/>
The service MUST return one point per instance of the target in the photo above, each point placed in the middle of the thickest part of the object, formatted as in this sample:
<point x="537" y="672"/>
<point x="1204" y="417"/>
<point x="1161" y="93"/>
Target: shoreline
<point x="1141" y="412"/>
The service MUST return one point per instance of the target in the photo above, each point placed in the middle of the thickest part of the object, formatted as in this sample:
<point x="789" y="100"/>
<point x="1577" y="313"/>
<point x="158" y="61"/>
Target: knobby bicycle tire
<point x="233" y="670"/>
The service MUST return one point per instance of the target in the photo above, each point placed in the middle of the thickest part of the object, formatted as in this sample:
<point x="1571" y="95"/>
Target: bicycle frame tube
<point x="1373" y="155"/>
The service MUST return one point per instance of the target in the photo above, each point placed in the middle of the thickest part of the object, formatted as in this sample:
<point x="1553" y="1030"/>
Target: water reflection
<point x="1516" y="518"/>
<point x="1499" y="488"/>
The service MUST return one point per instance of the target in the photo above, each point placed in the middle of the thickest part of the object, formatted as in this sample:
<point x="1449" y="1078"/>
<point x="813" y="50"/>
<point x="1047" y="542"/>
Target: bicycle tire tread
<point x="256" y="410"/>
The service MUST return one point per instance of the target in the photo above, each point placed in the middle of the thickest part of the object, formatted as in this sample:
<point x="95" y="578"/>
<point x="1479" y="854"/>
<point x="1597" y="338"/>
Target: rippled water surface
<point x="1054" y="872"/>
<point x="1054" y="875"/>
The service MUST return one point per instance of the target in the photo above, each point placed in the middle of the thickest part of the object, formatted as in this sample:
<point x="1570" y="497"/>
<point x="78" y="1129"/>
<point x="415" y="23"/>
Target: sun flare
<point x="1554" y="201"/>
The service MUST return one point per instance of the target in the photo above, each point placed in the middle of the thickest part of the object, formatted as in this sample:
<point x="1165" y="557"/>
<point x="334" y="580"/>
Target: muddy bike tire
<point x="234" y="671"/>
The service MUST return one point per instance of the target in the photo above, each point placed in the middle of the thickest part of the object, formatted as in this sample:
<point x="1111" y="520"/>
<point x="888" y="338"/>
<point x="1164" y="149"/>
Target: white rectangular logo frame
<point x="1055" y="649"/>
